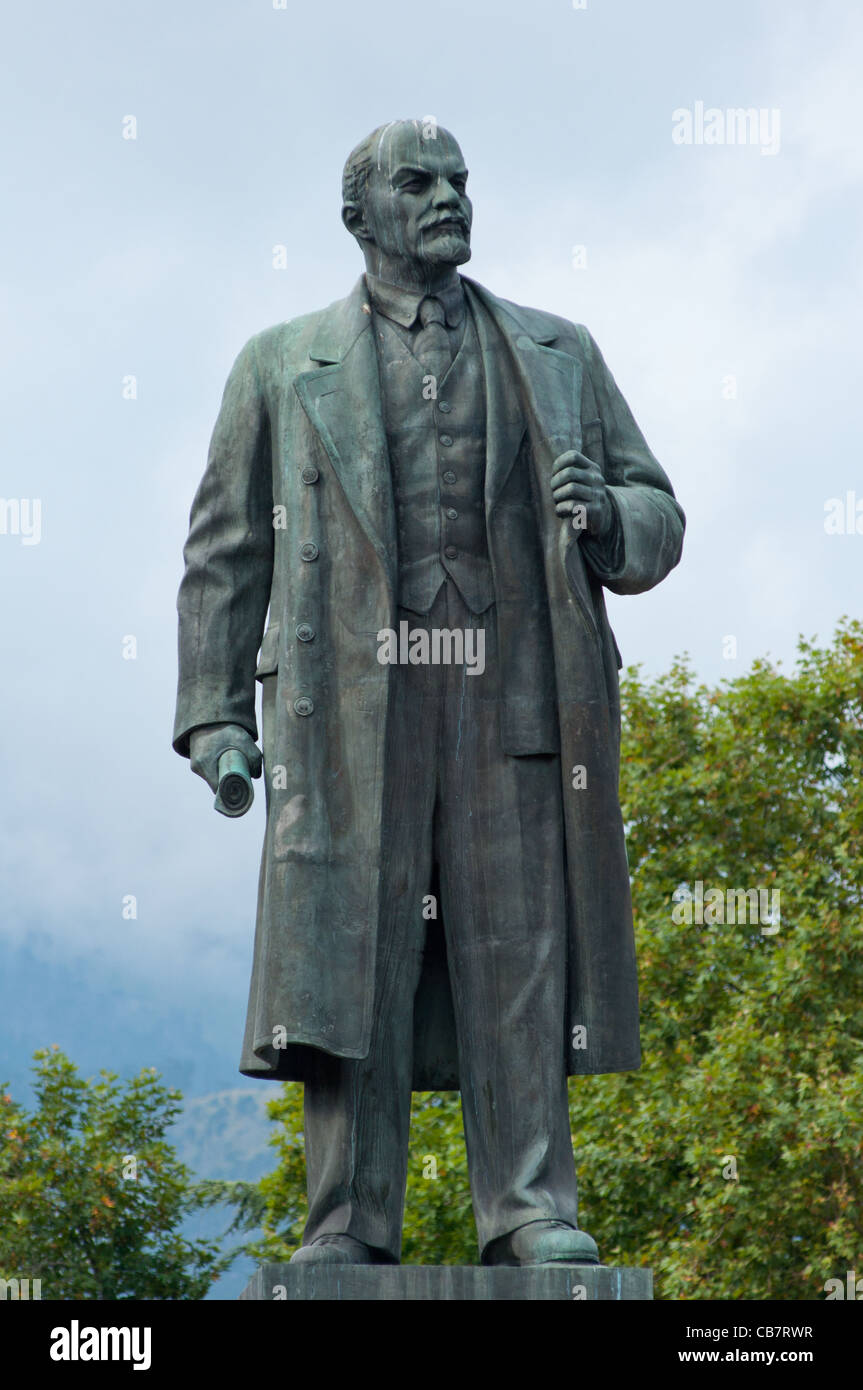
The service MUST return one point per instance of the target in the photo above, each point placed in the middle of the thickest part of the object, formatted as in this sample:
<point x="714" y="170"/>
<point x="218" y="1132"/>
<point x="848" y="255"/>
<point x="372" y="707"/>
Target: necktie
<point x="431" y="346"/>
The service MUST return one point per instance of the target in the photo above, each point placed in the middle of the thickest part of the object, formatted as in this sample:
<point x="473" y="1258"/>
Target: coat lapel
<point x="505" y="421"/>
<point x="342" y="398"/>
<point x="549" y="395"/>
<point x="550" y="383"/>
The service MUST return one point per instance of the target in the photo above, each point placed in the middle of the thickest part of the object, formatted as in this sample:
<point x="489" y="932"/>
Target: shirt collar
<point x="404" y="305"/>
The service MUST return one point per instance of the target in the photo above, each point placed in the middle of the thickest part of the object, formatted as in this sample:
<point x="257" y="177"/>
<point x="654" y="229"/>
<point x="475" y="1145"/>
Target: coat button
<point x="304" y="705"/>
<point x="449" y="476"/>
<point x="310" y="474"/>
<point x="450" y="552"/>
<point x="446" y="440"/>
<point x="309" y="551"/>
<point x="444" y="406"/>
<point x="305" y="633"/>
<point x="451" y="513"/>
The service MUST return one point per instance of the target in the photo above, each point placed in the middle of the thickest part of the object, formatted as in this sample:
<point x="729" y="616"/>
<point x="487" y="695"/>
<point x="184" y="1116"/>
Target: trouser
<point x="492" y="827"/>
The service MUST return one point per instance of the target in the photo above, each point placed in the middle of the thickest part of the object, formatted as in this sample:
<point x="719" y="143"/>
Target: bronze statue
<point x="444" y="896"/>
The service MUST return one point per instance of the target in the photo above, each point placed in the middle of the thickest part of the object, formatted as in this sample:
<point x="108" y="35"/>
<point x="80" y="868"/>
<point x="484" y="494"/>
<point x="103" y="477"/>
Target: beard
<point x="448" y="245"/>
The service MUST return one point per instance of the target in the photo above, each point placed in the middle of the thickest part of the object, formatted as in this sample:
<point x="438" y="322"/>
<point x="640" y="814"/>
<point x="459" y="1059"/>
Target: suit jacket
<point x="295" y="512"/>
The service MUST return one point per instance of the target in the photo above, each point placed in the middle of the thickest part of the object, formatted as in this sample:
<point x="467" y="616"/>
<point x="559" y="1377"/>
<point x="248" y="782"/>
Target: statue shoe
<point x="334" y="1250"/>
<point x="543" y="1243"/>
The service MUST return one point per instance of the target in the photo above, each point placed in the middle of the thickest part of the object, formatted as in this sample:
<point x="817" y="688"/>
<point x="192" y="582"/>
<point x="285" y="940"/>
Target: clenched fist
<point x="576" y="481"/>
<point x="210" y="741"/>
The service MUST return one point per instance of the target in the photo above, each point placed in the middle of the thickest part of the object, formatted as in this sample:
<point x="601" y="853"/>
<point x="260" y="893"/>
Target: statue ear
<point x="354" y="219"/>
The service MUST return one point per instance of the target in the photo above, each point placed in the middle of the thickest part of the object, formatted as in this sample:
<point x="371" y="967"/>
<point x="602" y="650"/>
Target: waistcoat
<point x="437" y="447"/>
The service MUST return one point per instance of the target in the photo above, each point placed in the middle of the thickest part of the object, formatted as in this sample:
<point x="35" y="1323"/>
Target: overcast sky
<point x="721" y="281"/>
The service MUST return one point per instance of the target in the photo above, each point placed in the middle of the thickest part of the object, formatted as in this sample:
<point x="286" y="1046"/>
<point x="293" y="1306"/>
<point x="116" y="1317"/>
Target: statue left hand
<point x="576" y="479"/>
<point x="208" y="742"/>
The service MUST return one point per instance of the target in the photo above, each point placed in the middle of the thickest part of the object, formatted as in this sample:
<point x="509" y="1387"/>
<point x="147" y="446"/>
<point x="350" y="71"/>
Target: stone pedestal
<point x="587" y="1283"/>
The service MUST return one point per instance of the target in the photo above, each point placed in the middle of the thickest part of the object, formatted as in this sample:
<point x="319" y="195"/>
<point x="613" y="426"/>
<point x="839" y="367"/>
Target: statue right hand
<point x="210" y="741"/>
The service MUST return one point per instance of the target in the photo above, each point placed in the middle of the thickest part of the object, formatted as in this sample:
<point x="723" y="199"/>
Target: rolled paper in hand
<point x="236" y="793"/>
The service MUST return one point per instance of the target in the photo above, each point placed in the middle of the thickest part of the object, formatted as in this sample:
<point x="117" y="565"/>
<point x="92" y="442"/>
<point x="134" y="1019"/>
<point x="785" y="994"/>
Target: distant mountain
<point x="224" y="1135"/>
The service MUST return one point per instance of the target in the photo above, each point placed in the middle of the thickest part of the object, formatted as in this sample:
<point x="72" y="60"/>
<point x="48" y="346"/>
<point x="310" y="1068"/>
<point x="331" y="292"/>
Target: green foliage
<point x="91" y="1194"/>
<point x="438" y="1225"/>
<point x="752" y="1039"/>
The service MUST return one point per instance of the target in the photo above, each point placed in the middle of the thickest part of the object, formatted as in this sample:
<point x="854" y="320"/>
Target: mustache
<point x="455" y="220"/>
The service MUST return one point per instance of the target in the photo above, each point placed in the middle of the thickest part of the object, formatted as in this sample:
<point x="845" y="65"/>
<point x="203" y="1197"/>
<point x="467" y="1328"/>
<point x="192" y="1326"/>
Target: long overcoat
<point x="295" y="516"/>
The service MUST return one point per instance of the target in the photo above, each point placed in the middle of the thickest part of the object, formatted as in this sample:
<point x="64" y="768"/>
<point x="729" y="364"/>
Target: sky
<point x="721" y="281"/>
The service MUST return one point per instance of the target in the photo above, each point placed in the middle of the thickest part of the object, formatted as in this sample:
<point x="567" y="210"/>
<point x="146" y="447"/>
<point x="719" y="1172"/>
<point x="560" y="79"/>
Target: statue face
<point x="416" y="208"/>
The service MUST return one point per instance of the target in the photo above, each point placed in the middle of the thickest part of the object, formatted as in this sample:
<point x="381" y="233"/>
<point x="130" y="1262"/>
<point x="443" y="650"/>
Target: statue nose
<point x="445" y="194"/>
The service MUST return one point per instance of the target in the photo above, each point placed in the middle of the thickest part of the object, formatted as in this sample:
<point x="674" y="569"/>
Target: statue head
<point x="404" y="199"/>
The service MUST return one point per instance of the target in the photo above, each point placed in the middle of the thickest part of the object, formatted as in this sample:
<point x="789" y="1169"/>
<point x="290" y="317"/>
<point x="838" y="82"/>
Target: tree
<point x="92" y="1195"/>
<point x="731" y="1162"/>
